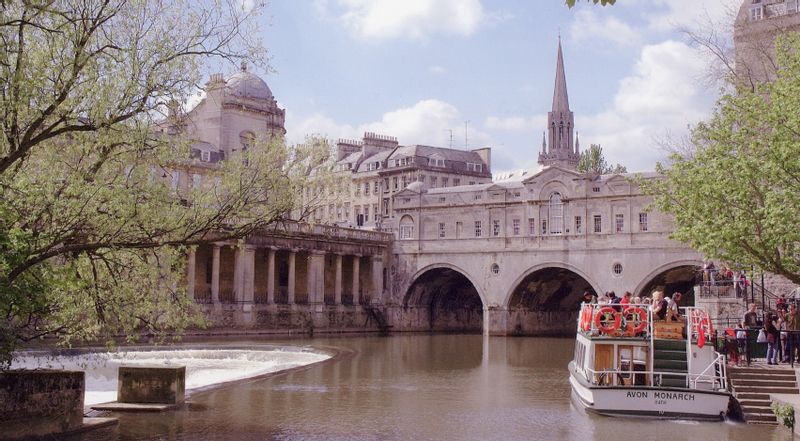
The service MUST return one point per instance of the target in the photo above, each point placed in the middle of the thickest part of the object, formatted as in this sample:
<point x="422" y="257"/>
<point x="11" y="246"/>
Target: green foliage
<point x="571" y="3"/>
<point x="784" y="413"/>
<point x="593" y="161"/>
<point x="93" y="237"/>
<point x="737" y="196"/>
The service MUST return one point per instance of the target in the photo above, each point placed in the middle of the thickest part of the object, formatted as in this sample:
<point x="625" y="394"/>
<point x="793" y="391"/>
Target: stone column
<point x="237" y="274"/>
<point x="337" y="288"/>
<point x="271" y="276"/>
<point x="356" y="277"/>
<point x="190" y="270"/>
<point x="316" y="277"/>
<point x="377" y="279"/>
<point x="248" y="274"/>
<point x="290" y="285"/>
<point x="215" y="276"/>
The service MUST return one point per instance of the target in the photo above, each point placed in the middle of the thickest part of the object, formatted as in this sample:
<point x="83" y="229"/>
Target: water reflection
<point x="420" y="387"/>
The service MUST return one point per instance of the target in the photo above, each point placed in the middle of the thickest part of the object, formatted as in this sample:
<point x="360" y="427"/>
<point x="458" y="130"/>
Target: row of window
<point x="407" y="228"/>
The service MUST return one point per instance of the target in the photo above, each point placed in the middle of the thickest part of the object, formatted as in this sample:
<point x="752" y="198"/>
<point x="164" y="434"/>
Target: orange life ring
<point x="607" y="328"/>
<point x="635" y="311"/>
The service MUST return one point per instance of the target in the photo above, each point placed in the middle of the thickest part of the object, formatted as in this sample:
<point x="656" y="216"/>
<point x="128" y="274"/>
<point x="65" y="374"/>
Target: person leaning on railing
<point x="793" y="328"/>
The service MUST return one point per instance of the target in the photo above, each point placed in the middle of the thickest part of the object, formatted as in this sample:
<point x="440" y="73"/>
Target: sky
<point x="423" y="69"/>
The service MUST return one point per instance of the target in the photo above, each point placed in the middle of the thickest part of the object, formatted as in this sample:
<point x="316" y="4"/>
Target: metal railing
<point x="617" y="377"/>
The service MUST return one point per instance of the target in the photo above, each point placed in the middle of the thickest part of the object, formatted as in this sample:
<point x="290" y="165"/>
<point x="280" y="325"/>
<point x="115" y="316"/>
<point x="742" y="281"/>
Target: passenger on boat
<point x="589" y="298"/>
<point x="659" y="305"/>
<point x="626" y="298"/>
<point x="673" y="313"/>
<point x="614" y="300"/>
<point x="637" y="300"/>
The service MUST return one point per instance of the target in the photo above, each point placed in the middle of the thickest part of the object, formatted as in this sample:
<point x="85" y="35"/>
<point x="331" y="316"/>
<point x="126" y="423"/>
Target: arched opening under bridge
<point x="443" y="299"/>
<point x="545" y="302"/>
<point x="681" y="279"/>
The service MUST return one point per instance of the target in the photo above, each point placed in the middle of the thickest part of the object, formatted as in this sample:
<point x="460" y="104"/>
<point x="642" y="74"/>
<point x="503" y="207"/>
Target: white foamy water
<point x="204" y="367"/>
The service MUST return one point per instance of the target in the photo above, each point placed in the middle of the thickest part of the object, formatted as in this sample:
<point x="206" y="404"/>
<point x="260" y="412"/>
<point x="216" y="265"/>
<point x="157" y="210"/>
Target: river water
<point x="414" y="387"/>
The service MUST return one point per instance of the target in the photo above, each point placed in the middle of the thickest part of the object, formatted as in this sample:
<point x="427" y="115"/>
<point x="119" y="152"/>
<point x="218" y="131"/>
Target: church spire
<point x="560" y="97"/>
<point x="562" y="149"/>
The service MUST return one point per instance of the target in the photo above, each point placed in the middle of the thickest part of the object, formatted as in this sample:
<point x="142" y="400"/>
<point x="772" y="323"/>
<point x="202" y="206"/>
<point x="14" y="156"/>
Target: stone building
<point x="514" y="256"/>
<point x="757" y="24"/>
<point x="377" y="167"/>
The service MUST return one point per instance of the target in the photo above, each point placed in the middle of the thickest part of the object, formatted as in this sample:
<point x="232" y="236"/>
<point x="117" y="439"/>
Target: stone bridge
<point x="528" y="285"/>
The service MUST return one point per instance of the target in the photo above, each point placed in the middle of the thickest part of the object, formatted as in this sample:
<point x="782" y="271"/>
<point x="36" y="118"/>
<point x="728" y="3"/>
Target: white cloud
<point x="589" y="25"/>
<point x="437" y="70"/>
<point x="662" y="96"/>
<point x="413" y="19"/>
<point x="426" y="122"/>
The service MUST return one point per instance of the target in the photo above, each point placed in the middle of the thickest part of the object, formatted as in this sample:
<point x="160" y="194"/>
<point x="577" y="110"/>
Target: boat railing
<point x="617" y="377"/>
<point x="718" y="365"/>
<point x="632" y="320"/>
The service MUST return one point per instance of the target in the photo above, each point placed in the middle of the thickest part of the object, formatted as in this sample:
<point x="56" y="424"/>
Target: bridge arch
<point x="443" y="297"/>
<point x="671" y="277"/>
<point x="544" y="299"/>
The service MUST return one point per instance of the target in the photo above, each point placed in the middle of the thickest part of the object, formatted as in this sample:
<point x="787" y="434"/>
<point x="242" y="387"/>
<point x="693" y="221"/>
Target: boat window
<point x="631" y="359"/>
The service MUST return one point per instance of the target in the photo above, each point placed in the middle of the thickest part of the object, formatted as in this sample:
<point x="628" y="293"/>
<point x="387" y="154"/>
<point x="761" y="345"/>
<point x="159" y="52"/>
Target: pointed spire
<point x="544" y="142"/>
<point x="560" y="99"/>
<point x="577" y="144"/>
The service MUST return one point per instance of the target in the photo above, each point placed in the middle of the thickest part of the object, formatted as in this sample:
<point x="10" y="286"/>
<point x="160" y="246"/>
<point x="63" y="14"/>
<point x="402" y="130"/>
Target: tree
<point x="737" y="198"/>
<point x="571" y="3"/>
<point x="93" y="237"/>
<point x="593" y="161"/>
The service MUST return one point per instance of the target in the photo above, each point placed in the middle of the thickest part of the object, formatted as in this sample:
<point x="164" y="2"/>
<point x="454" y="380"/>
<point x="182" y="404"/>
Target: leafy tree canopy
<point x="593" y="161"/>
<point x="737" y="197"/>
<point x="93" y="236"/>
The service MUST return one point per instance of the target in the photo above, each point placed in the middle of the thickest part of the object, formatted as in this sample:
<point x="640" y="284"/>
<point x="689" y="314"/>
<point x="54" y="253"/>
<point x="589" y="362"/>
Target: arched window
<point x="406" y="227"/>
<point x="556" y="211"/>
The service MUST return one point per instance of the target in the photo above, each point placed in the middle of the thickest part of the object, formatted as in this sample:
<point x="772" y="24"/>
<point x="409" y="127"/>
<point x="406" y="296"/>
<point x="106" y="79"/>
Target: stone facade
<point x="757" y="24"/>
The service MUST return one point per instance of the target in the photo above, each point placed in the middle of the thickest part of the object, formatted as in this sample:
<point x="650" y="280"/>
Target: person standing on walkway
<point x="773" y="337"/>
<point x="793" y="329"/>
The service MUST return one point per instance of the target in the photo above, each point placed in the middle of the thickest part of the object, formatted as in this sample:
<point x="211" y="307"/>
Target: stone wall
<point x="40" y="403"/>
<point x="291" y="319"/>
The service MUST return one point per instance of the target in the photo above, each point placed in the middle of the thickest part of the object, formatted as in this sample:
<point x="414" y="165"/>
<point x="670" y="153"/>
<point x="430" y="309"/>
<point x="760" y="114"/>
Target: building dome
<point x="245" y="84"/>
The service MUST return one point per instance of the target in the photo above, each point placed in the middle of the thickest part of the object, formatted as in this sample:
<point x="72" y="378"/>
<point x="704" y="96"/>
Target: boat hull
<point x="651" y="402"/>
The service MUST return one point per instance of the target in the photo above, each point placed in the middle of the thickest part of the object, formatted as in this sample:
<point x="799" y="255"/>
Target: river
<point x="414" y="387"/>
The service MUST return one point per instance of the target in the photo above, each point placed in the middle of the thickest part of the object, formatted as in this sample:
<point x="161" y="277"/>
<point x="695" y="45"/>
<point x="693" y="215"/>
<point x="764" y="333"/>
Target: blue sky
<point x="416" y="69"/>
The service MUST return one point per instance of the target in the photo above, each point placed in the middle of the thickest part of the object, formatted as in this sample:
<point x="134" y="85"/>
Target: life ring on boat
<point x="633" y="313"/>
<point x="602" y="322"/>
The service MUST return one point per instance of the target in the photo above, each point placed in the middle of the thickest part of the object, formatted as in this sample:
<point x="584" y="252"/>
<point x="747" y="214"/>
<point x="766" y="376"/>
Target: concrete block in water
<point x="160" y="384"/>
<point x="38" y="403"/>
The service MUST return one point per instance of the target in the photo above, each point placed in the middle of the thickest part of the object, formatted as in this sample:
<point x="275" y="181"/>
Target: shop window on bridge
<point x="478" y="229"/>
<point x="406" y="228"/>
<point x="531" y="226"/>
<point x="578" y="225"/>
<point x="442" y="231"/>
<point x="495" y="228"/>
<point x="515" y="226"/>
<point x="556" y="212"/>
<point x="598" y="223"/>
<point x="642" y="221"/>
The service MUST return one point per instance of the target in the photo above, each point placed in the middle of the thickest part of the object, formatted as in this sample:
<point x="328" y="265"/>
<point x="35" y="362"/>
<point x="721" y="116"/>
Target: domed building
<point x="235" y="110"/>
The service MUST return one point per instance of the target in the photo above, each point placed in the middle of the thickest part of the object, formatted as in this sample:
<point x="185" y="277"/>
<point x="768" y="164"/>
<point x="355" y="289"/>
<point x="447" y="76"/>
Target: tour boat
<point x="627" y="364"/>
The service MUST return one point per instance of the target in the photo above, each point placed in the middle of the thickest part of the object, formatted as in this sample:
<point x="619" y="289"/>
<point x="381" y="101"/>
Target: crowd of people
<point x="778" y="329"/>
<point x="663" y="307"/>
